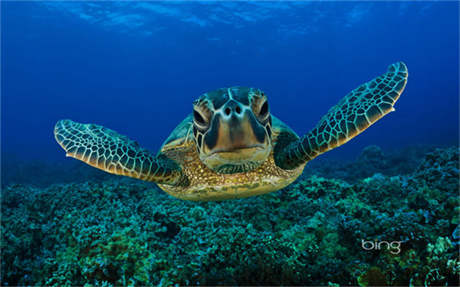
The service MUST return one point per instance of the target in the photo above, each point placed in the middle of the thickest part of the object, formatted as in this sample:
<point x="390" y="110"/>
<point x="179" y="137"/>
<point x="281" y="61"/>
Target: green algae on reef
<point x="127" y="232"/>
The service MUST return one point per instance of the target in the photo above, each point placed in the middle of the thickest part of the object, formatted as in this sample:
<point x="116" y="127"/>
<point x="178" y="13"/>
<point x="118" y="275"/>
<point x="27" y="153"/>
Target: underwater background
<point x="136" y="67"/>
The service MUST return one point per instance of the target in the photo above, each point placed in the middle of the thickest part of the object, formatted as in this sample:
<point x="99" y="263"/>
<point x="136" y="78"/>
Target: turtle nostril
<point x="227" y="111"/>
<point x="238" y="109"/>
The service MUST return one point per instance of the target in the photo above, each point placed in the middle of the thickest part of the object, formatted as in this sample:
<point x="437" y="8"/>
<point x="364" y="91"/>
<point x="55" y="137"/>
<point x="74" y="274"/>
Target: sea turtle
<point x="231" y="146"/>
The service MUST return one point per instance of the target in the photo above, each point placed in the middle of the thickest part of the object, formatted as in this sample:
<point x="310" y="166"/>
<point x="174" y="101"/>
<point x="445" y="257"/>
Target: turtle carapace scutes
<point x="231" y="146"/>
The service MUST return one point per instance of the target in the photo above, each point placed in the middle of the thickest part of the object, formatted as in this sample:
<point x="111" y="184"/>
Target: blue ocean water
<point x="136" y="67"/>
<point x="383" y="209"/>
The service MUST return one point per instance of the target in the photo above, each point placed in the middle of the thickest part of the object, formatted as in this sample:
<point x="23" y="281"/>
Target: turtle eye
<point x="199" y="120"/>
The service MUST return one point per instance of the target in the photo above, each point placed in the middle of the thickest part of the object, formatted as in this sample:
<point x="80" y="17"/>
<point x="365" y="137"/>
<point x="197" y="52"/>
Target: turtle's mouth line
<point x="238" y="149"/>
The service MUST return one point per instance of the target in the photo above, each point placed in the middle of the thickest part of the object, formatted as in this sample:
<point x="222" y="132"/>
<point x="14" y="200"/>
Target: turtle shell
<point x="180" y="133"/>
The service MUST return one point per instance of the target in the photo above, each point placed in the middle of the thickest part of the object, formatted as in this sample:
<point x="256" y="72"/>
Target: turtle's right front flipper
<point x="357" y="111"/>
<point x="114" y="153"/>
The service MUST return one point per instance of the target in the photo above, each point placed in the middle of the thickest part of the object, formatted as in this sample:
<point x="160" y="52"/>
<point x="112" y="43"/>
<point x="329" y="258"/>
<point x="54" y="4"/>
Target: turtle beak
<point x="235" y="135"/>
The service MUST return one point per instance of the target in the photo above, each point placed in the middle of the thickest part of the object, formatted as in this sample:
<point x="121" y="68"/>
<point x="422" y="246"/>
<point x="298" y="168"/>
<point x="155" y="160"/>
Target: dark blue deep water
<point x="136" y="67"/>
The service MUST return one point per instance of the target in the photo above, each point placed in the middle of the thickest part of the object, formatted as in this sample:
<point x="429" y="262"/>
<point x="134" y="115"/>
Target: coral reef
<point x="383" y="229"/>
<point x="372" y="160"/>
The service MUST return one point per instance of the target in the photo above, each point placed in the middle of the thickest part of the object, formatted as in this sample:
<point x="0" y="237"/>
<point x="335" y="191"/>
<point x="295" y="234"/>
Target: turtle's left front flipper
<point x="108" y="150"/>
<point x="352" y="115"/>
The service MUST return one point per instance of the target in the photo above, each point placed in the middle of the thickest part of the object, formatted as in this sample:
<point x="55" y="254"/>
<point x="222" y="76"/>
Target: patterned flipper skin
<point x="352" y="115"/>
<point x="114" y="153"/>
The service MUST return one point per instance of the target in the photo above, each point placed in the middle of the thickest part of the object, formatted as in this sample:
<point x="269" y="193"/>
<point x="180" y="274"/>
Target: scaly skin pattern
<point x="207" y="185"/>
<point x="105" y="149"/>
<point x="356" y="112"/>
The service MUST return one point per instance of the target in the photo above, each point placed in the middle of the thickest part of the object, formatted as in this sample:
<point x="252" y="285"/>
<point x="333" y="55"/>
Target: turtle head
<point x="232" y="129"/>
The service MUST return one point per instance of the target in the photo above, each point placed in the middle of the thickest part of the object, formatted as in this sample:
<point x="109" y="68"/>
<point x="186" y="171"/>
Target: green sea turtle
<point x="231" y="146"/>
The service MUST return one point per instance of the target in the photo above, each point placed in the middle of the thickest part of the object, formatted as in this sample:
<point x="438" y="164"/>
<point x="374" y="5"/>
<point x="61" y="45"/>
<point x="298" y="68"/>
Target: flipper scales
<point x="357" y="111"/>
<point x="107" y="150"/>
